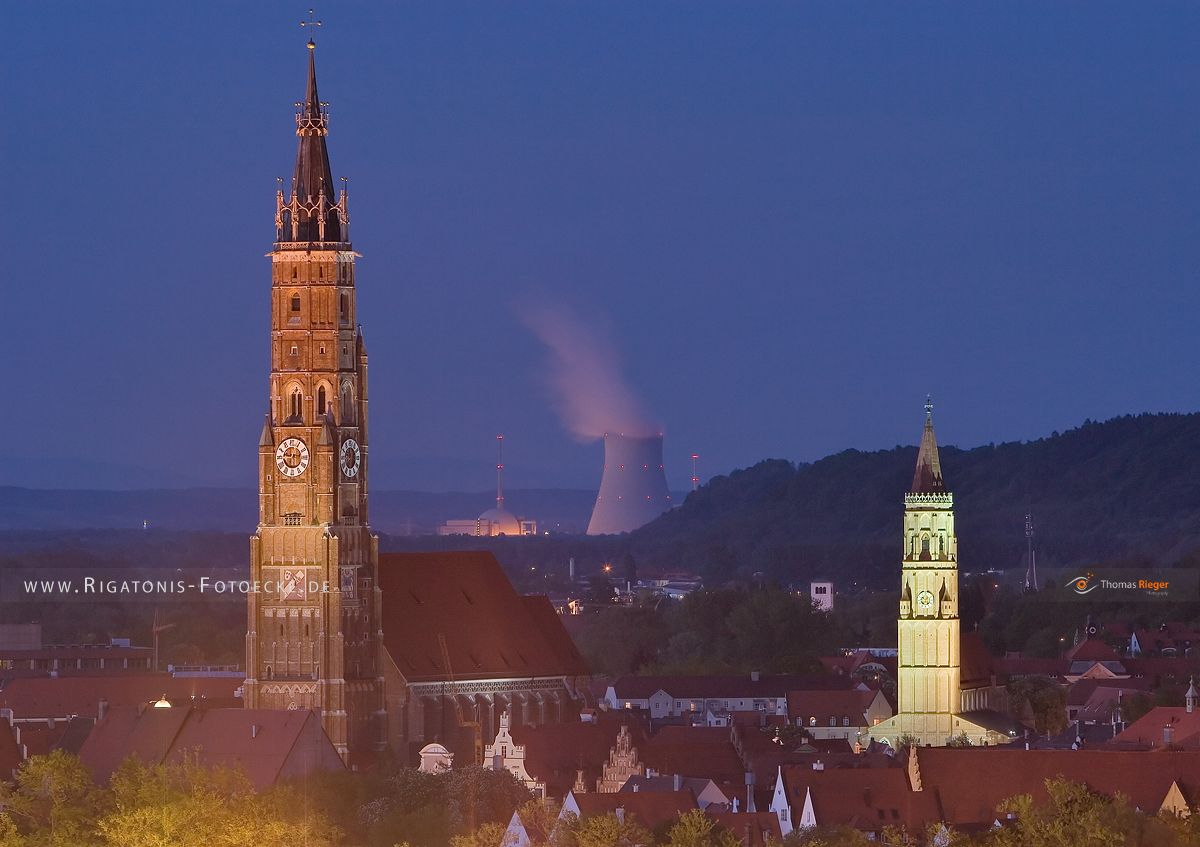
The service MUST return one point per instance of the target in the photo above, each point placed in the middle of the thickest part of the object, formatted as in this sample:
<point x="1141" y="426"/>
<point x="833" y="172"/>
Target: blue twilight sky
<point x="792" y="220"/>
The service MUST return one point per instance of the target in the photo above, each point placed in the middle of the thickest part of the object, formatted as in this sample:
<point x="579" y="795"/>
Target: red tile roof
<point x="1148" y="731"/>
<point x="1092" y="650"/>
<point x="970" y="782"/>
<point x="651" y="809"/>
<point x="824" y="705"/>
<point x="693" y="751"/>
<point x="58" y="697"/>
<point x="267" y="745"/>
<point x="490" y="630"/>
<point x="753" y="829"/>
<point x="865" y="798"/>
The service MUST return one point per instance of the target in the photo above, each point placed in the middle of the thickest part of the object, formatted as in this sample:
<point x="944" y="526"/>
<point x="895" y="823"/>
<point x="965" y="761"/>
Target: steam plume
<point x="590" y="394"/>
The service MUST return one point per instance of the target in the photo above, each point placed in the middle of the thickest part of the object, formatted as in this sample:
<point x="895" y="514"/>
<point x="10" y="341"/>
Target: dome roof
<point x="502" y="521"/>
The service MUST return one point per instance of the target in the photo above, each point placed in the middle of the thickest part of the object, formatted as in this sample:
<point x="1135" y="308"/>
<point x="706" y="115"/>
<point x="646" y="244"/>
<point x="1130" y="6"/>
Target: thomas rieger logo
<point x="1088" y="583"/>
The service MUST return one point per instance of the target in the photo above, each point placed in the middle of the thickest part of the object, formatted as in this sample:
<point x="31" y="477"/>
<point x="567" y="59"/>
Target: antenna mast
<point x="1031" y="580"/>
<point x="695" y="476"/>
<point x="500" y="472"/>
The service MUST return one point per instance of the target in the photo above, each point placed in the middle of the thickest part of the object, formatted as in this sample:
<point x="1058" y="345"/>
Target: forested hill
<point x="1128" y="487"/>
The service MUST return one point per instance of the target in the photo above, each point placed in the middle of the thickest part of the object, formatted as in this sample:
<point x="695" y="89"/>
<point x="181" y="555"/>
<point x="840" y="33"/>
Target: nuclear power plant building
<point x="633" y="490"/>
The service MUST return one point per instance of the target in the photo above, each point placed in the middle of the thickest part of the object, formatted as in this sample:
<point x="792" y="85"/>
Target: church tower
<point x="928" y="628"/>
<point x="313" y="636"/>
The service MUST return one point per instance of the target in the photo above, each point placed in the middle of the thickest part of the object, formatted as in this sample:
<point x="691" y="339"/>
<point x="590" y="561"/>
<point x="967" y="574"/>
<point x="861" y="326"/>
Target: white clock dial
<point x="351" y="458"/>
<point x="925" y="600"/>
<point x="291" y="457"/>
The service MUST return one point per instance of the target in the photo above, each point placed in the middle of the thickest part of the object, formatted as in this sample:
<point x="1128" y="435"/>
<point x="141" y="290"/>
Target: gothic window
<point x="924" y="545"/>
<point x="344" y="307"/>
<point x="281" y="629"/>
<point x="321" y="397"/>
<point x="347" y="404"/>
<point x="297" y="399"/>
<point x="295" y="302"/>
<point x="268" y="671"/>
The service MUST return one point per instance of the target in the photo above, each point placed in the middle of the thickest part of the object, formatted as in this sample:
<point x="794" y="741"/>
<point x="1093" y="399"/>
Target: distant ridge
<point x="1128" y="487"/>
<point x="236" y="509"/>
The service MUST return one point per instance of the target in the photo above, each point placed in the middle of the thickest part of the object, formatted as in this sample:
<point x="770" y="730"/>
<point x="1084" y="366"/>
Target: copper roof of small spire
<point x="313" y="173"/>
<point x="927" y="479"/>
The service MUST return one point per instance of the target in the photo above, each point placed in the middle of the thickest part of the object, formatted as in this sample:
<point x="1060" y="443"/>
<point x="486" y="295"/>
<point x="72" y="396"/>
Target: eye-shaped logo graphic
<point x="1083" y="584"/>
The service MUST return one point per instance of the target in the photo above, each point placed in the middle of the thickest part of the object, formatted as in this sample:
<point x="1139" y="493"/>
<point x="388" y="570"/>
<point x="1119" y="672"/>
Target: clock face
<point x="291" y="457"/>
<point x="351" y="458"/>
<point x="925" y="600"/>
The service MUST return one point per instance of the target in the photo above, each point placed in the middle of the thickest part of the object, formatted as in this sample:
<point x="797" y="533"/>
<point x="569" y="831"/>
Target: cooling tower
<point x="633" y="490"/>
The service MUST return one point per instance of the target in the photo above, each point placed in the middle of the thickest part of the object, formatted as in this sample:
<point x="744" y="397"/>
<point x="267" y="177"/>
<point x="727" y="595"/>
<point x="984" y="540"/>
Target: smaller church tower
<point x="929" y="641"/>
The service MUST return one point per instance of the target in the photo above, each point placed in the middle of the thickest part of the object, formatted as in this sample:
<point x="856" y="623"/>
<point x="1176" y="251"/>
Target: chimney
<point x="101" y="709"/>
<point x="636" y="787"/>
<point x="633" y="489"/>
<point x="254" y="730"/>
<point x="677" y="783"/>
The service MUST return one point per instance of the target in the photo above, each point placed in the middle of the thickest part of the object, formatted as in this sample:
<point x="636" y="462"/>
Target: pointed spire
<point x="928" y="476"/>
<point x="267" y="439"/>
<point x="313" y="200"/>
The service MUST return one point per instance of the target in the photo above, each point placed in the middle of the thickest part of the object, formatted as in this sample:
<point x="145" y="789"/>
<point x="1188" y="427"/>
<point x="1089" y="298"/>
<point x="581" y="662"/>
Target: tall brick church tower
<point x="313" y="637"/>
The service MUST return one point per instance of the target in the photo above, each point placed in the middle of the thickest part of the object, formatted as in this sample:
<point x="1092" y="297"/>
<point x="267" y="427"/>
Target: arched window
<point x="321" y="400"/>
<point x="295" y="302"/>
<point x="297" y="398"/>
<point x="924" y="545"/>
<point x="347" y="404"/>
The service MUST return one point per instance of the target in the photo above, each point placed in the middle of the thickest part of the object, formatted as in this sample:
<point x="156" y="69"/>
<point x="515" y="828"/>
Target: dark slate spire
<point x="928" y="477"/>
<point x="313" y="193"/>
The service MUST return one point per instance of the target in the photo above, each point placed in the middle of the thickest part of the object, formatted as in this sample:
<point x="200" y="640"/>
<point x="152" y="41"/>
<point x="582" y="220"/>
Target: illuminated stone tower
<point x="313" y="632"/>
<point x="928" y="668"/>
